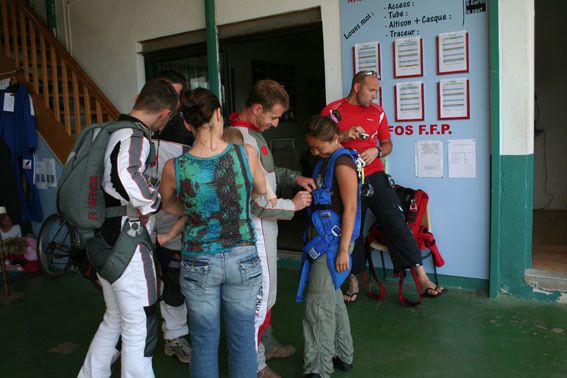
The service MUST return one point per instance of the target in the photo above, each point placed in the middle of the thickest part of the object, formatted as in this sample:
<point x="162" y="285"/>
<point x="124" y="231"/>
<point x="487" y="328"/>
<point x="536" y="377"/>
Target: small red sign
<point x="264" y="150"/>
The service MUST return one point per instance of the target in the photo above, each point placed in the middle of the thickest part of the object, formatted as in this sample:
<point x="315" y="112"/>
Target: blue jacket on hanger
<point x="17" y="129"/>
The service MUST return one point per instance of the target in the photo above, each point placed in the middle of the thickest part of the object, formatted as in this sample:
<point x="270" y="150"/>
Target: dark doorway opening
<point x="549" y="242"/>
<point x="292" y="56"/>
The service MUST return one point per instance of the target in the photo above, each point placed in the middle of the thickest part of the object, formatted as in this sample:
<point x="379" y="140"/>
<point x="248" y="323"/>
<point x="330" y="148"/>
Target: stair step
<point x="546" y="280"/>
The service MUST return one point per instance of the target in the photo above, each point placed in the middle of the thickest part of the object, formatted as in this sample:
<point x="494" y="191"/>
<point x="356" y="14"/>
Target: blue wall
<point x="459" y="207"/>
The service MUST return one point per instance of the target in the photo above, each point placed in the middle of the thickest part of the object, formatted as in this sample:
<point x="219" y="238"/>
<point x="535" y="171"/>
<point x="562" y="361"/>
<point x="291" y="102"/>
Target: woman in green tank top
<point x="211" y="186"/>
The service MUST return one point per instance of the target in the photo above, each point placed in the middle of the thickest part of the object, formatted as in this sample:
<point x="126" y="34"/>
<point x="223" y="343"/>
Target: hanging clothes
<point x="17" y="130"/>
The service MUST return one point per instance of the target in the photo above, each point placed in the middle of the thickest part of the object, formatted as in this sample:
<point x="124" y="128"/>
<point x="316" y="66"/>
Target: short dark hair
<point x="173" y="77"/>
<point x="321" y="127"/>
<point x="155" y="96"/>
<point x="268" y="93"/>
<point x="198" y="106"/>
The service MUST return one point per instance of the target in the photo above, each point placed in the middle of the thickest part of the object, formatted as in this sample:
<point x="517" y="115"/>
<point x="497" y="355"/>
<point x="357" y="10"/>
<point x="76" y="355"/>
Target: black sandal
<point x="427" y="292"/>
<point x="350" y="295"/>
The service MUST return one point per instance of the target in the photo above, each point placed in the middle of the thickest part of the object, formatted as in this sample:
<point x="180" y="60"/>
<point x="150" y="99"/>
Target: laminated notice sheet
<point x="408" y="57"/>
<point x="453" y="99"/>
<point x="408" y="101"/>
<point x="367" y="57"/>
<point x="453" y="52"/>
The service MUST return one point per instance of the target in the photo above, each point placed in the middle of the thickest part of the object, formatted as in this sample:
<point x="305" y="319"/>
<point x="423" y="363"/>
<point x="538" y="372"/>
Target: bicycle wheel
<point x="55" y="241"/>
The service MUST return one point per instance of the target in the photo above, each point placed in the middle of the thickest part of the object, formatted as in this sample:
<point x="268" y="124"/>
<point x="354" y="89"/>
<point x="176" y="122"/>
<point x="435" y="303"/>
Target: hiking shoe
<point x="280" y="351"/>
<point x="268" y="373"/>
<point x="341" y="365"/>
<point x="179" y="348"/>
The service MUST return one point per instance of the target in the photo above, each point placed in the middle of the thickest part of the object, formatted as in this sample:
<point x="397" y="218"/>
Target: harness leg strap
<point x="372" y="272"/>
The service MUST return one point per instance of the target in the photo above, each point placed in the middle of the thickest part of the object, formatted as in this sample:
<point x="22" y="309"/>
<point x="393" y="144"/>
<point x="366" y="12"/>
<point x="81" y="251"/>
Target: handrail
<point x="67" y="89"/>
<point x="68" y="58"/>
<point x="47" y="125"/>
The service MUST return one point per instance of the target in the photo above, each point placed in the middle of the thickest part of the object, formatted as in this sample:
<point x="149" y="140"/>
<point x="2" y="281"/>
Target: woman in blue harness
<point x="326" y="259"/>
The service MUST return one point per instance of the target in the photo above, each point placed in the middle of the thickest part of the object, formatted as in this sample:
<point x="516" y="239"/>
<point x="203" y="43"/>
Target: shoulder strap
<point x="330" y="168"/>
<point x="242" y="155"/>
<point x="317" y="169"/>
<point x="119" y="125"/>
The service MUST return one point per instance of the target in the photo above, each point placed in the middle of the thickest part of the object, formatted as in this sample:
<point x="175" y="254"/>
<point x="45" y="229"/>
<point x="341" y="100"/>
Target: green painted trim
<point x="515" y="229"/>
<point x="212" y="48"/>
<point x="495" y="174"/>
<point x="473" y="284"/>
<point x="465" y="283"/>
<point x="51" y="18"/>
<point x="516" y="226"/>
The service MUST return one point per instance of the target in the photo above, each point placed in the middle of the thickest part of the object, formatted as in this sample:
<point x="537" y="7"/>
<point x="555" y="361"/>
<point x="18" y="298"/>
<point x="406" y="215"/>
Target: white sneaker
<point x="178" y="347"/>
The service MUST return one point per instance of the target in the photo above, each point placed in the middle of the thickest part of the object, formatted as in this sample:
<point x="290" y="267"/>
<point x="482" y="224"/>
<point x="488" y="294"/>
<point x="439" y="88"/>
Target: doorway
<point x="294" y="58"/>
<point x="549" y="242"/>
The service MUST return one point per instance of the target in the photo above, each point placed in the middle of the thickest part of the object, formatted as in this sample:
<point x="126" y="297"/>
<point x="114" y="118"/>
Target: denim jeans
<point x="232" y="280"/>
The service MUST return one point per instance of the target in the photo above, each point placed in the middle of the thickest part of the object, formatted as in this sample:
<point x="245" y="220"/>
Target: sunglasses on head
<point x="367" y="73"/>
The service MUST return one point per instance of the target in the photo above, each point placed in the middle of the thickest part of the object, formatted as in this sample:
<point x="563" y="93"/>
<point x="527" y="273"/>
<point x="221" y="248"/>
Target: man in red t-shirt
<point x="363" y="126"/>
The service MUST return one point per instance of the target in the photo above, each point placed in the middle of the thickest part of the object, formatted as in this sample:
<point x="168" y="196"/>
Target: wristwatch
<point x="293" y="177"/>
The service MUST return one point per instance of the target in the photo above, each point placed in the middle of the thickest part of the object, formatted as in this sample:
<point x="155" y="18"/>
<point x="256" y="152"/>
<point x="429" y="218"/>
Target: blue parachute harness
<point x="327" y="223"/>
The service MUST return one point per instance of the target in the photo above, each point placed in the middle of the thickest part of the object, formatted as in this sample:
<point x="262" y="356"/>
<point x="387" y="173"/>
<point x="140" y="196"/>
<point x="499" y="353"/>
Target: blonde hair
<point x="232" y="136"/>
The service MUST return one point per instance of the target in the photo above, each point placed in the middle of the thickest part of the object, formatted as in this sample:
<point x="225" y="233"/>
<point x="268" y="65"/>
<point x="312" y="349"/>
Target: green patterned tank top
<point x="216" y="195"/>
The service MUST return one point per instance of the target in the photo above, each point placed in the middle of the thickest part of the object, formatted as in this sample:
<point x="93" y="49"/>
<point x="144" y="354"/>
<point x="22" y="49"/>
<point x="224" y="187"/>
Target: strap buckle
<point x="336" y="231"/>
<point x="135" y="228"/>
<point x="313" y="253"/>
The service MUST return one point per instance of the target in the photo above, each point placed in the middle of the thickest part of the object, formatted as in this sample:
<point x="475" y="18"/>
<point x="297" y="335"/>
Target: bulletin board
<point x="434" y="68"/>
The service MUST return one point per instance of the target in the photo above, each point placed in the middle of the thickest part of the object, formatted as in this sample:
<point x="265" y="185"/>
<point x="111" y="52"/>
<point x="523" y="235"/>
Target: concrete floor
<point x="549" y="242"/>
<point x="462" y="334"/>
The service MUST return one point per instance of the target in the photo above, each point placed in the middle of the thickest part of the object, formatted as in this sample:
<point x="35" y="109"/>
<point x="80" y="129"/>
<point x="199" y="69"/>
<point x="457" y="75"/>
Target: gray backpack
<point x="80" y="198"/>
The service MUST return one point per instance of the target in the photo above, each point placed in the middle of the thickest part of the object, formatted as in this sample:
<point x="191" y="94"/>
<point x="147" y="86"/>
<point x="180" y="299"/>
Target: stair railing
<point x="50" y="71"/>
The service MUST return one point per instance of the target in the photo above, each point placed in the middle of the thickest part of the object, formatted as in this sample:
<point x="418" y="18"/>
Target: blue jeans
<point x="233" y="279"/>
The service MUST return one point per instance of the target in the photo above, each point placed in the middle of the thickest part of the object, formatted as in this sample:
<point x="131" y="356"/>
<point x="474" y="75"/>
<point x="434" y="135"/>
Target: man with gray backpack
<point x="104" y="193"/>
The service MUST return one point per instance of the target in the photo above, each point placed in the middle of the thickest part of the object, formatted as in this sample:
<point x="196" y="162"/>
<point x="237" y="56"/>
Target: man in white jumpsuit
<point x="266" y="103"/>
<point x="130" y="316"/>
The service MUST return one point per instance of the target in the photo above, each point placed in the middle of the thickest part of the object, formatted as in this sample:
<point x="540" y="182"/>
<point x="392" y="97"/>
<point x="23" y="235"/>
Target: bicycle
<point x="59" y="249"/>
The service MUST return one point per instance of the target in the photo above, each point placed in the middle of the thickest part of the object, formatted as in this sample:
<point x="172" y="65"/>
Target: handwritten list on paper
<point x="462" y="158"/>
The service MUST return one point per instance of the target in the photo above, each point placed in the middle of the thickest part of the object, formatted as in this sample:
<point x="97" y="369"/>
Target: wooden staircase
<point x="65" y="98"/>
